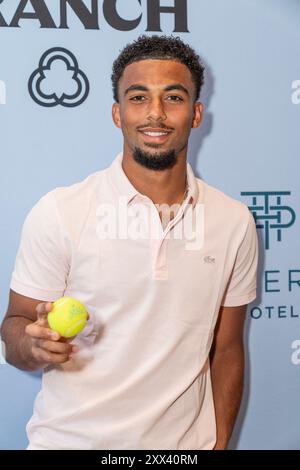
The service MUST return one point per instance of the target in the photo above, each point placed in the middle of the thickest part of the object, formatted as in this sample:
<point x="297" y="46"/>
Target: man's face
<point x="156" y="108"/>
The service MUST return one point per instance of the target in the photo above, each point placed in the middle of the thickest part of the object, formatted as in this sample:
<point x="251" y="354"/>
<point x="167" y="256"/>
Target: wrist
<point x="221" y="441"/>
<point x="30" y="363"/>
<point x="220" y="445"/>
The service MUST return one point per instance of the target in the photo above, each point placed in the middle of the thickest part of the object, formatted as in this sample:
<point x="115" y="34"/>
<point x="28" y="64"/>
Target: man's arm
<point x="29" y="342"/>
<point x="227" y="370"/>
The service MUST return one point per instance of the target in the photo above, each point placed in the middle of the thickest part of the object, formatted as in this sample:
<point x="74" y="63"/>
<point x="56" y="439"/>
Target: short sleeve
<point x="42" y="261"/>
<point x="241" y="288"/>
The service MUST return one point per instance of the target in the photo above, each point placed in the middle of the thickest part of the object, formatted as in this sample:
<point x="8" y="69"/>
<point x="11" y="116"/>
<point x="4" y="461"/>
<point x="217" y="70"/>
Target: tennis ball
<point x="67" y="317"/>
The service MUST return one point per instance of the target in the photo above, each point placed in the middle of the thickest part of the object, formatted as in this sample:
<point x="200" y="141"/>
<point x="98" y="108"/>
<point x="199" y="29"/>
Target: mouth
<point x="155" y="135"/>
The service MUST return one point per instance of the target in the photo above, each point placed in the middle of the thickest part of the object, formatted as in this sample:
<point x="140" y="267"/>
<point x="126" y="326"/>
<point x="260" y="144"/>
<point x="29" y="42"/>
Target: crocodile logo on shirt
<point x="209" y="259"/>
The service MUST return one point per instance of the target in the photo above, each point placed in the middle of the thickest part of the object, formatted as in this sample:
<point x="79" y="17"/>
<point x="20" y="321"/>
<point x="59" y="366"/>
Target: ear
<point x="116" y="114"/>
<point x="198" y="114"/>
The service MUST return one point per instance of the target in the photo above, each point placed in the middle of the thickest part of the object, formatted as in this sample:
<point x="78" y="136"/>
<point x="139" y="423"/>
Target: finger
<point x="65" y="340"/>
<point x="74" y="347"/>
<point x="42" y="310"/>
<point x="36" y="331"/>
<point x="47" y="357"/>
<point x="58" y="358"/>
<point x="55" y="346"/>
<point x="44" y="307"/>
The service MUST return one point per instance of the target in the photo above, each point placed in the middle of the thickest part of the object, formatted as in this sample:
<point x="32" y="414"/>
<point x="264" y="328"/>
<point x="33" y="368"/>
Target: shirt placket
<point x="158" y="243"/>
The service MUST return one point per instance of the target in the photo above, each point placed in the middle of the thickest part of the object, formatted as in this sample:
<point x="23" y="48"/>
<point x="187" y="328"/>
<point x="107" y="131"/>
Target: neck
<point x="161" y="186"/>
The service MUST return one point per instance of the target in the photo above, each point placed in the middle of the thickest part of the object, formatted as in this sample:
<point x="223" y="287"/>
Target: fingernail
<point x="75" y="348"/>
<point x="54" y="335"/>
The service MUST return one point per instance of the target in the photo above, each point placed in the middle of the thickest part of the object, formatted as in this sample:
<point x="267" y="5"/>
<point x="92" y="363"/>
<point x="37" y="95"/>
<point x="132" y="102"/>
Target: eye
<point x="137" y="98"/>
<point x="174" y="98"/>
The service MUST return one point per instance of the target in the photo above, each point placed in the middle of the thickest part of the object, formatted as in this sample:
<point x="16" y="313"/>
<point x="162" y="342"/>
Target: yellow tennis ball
<point x="68" y="317"/>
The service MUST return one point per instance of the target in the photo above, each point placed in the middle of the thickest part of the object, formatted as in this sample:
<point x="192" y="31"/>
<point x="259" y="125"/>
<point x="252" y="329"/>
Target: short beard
<point x="155" y="161"/>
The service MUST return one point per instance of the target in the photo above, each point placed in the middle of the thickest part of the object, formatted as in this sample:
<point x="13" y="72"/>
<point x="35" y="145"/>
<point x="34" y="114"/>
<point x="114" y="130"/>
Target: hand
<point x="47" y="346"/>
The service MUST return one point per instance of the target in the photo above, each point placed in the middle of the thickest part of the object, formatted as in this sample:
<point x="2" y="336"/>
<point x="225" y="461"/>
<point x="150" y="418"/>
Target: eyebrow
<point x="175" y="86"/>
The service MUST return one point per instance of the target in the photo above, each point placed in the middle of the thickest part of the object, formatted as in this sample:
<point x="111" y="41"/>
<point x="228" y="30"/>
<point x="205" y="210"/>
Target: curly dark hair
<point x="162" y="48"/>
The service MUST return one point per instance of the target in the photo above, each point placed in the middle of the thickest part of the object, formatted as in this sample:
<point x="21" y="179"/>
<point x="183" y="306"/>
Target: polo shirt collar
<point x="126" y="189"/>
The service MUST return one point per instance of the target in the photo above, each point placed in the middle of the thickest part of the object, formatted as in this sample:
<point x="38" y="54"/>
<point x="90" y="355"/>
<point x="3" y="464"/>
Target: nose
<point x="156" y="110"/>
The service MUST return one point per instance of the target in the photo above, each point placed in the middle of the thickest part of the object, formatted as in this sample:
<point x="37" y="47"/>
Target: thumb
<point x="42" y="310"/>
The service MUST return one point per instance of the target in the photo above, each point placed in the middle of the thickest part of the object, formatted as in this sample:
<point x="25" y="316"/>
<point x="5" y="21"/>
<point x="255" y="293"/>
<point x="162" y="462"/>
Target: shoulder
<point x="222" y="206"/>
<point x="75" y="198"/>
<point x="78" y="193"/>
<point x="226" y="216"/>
<point x="66" y="206"/>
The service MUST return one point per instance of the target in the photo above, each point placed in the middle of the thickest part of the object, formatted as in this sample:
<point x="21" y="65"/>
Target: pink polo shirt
<point x="141" y="379"/>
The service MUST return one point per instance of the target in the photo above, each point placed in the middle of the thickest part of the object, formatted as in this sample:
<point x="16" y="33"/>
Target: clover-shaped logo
<point x="58" y="69"/>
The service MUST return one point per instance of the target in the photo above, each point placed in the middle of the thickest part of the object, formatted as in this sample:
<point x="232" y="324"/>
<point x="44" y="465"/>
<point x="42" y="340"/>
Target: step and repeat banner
<point x="56" y="128"/>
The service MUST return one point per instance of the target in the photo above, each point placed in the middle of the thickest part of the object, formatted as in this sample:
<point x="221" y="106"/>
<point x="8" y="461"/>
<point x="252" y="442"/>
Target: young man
<point x="160" y="364"/>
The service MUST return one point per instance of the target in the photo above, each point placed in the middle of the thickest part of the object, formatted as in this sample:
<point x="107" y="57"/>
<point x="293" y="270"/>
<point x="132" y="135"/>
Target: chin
<point x="160" y="160"/>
